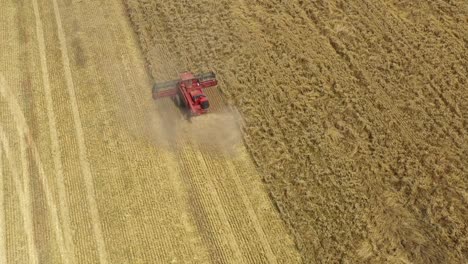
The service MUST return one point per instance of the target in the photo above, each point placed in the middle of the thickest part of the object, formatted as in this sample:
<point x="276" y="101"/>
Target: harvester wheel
<point x="178" y="101"/>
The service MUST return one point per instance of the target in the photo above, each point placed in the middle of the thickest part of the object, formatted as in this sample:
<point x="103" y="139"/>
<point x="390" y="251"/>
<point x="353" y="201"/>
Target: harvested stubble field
<point x="356" y="112"/>
<point x="86" y="171"/>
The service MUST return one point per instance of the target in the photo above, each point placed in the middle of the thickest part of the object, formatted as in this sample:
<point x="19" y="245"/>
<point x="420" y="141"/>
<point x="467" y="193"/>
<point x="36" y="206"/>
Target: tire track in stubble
<point x="56" y="152"/>
<point x="87" y="174"/>
<point x="194" y="168"/>
<point x="3" y="246"/>
<point x="240" y="192"/>
<point x="25" y="133"/>
<point x="23" y="196"/>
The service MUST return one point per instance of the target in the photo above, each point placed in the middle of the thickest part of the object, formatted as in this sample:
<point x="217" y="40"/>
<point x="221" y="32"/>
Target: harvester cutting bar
<point x="165" y="85"/>
<point x="206" y="80"/>
<point x="208" y="83"/>
<point x="165" y="89"/>
<point x="164" y="93"/>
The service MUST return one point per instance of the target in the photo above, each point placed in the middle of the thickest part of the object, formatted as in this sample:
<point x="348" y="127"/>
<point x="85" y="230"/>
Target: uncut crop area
<point x="355" y="112"/>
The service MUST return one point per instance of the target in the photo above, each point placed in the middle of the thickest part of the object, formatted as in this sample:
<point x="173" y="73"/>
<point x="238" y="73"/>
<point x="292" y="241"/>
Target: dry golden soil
<point x="355" y="112"/>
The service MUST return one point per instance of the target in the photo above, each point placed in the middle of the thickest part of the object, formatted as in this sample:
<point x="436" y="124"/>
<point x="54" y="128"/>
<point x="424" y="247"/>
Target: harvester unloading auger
<point x="187" y="92"/>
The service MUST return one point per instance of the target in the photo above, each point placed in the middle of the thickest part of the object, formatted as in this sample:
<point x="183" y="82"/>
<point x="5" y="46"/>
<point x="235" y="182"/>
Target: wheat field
<point x="338" y="132"/>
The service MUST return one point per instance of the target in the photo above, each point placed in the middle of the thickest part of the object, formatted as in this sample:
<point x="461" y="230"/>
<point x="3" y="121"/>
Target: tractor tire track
<point x="86" y="170"/>
<point x="56" y="151"/>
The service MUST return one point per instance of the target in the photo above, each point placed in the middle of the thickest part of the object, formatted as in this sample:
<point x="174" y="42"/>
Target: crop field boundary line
<point x="90" y="190"/>
<point x="56" y="152"/>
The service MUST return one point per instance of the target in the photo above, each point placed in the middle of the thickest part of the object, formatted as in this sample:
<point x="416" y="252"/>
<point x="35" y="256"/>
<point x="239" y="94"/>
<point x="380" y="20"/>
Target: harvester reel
<point x="206" y="76"/>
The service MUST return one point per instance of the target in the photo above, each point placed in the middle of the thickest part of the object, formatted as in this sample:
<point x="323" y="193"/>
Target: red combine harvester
<point x="187" y="92"/>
